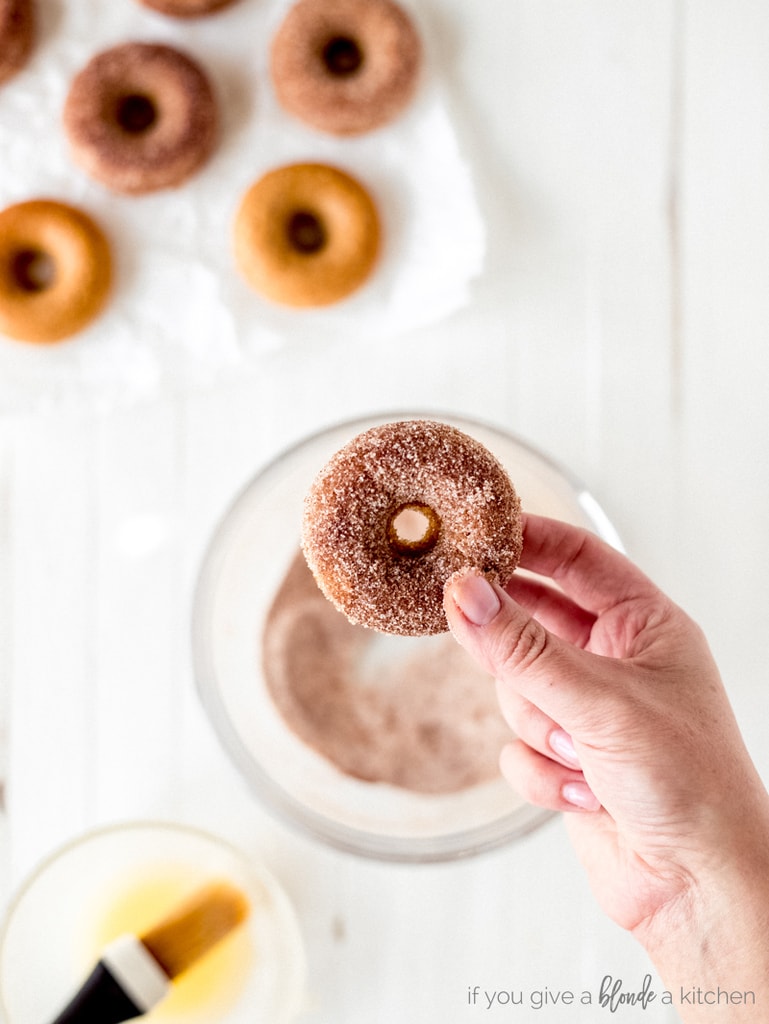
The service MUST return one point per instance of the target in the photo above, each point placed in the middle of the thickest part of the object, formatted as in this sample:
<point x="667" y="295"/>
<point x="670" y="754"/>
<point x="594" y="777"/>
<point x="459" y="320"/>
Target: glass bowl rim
<point x="390" y="848"/>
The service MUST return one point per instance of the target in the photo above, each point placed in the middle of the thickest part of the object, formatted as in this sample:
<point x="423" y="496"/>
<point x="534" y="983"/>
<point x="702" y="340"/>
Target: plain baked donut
<point x="345" y="66"/>
<point x="306" y="235"/>
<point x="55" y="270"/>
<point x="186" y="8"/>
<point x="141" y="117"/>
<point x="397" y="511"/>
<point x="17" y="35"/>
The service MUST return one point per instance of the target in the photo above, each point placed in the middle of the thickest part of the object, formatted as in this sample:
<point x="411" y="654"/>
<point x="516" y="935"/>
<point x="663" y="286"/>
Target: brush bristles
<point x="195" y="927"/>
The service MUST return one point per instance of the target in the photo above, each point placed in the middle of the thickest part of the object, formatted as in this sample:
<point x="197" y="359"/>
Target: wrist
<point x="709" y="944"/>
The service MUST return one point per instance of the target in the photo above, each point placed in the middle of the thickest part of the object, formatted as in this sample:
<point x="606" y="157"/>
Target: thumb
<point x="518" y="651"/>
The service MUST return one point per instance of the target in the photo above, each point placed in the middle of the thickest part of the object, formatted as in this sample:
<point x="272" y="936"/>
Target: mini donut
<point x="385" y="572"/>
<point x="55" y="270"/>
<point x="306" y="235"/>
<point x="186" y="8"/>
<point x="17" y="35"/>
<point x="141" y="117"/>
<point x="345" y="66"/>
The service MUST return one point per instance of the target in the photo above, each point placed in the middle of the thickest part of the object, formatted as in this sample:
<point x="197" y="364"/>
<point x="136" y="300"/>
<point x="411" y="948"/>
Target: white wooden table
<point x="620" y="153"/>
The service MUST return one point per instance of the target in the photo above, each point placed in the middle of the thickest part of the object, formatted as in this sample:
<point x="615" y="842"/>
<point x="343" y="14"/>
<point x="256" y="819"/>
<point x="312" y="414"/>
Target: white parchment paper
<point x="180" y="314"/>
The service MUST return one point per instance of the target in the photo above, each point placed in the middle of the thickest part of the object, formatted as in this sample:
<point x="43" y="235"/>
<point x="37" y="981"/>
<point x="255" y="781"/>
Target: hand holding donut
<point x="622" y="717"/>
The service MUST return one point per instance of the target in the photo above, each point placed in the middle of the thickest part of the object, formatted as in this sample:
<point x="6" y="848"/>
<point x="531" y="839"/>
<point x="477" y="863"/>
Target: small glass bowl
<point x="125" y="878"/>
<point x="244" y="566"/>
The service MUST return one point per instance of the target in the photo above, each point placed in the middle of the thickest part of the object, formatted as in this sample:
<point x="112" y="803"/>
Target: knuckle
<point x="528" y="720"/>
<point x="528" y="776"/>
<point x="522" y="647"/>
<point x="535" y="789"/>
<point x="520" y="714"/>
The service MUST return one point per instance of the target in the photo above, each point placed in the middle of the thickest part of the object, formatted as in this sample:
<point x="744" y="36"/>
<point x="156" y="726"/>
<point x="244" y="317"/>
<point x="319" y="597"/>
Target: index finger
<point x="591" y="572"/>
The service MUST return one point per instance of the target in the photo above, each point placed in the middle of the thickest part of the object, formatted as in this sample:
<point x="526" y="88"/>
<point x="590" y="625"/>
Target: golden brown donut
<point x="186" y="8"/>
<point x="345" y="66"/>
<point x="141" y="117"/>
<point x="55" y="270"/>
<point x="17" y="35"/>
<point x="374" y="565"/>
<point x="306" y="235"/>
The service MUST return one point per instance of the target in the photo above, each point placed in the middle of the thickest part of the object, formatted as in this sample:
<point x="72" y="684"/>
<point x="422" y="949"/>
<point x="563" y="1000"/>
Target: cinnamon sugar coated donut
<point x="306" y="235"/>
<point x="17" y="35"/>
<point x="55" y="270"/>
<point x="186" y="8"/>
<point x="400" y="509"/>
<point x="345" y="66"/>
<point x="141" y="117"/>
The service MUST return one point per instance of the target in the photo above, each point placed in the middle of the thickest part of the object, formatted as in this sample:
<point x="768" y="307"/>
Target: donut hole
<point x="135" y="113"/>
<point x="305" y="232"/>
<point x="413" y="530"/>
<point x="33" y="270"/>
<point x="342" y="56"/>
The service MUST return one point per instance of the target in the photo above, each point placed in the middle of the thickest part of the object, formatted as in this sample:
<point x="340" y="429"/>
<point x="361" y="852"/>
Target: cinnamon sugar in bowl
<point x="384" y="746"/>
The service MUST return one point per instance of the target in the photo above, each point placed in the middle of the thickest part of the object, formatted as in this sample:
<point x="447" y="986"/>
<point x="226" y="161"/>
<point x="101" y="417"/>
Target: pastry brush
<point x="135" y="973"/>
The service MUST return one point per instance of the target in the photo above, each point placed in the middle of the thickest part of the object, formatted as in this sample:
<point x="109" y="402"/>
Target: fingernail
<point x="561" y="744"/>
<point x="579" y="794"/>
<point x="476" y="599"/>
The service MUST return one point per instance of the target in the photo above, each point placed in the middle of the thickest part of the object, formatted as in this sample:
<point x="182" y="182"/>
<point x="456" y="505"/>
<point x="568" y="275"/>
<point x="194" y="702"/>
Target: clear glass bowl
<point x="245" y="564"/>
<point x="124" y="878"/>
